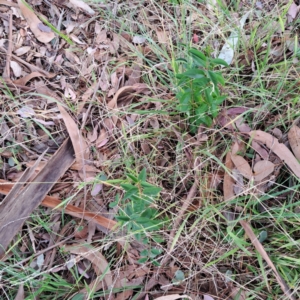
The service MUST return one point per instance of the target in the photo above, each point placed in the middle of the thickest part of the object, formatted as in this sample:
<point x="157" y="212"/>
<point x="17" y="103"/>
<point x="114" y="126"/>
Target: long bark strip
<point x="19" y="204"/>
<point x="55" y="203"/>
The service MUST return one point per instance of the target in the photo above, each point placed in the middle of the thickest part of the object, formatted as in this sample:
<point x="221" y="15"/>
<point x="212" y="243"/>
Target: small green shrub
<point x="135" y="208"/>
<point x="198" y="92"/>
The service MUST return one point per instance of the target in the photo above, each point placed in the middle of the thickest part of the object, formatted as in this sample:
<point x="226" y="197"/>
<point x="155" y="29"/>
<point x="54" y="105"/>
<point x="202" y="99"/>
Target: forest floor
<point x="111" y="192"/>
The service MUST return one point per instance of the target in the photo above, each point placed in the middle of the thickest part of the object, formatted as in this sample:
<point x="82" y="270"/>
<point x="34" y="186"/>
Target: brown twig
<point x="30" y="66"/>
<point x="6" y="73"/>
<point x="187" y="202"/>
<point x="54" y="203"/>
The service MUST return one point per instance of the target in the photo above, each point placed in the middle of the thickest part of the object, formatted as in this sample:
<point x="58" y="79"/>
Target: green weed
<point x="198" y="92"/>
<point x="136" y="212"/>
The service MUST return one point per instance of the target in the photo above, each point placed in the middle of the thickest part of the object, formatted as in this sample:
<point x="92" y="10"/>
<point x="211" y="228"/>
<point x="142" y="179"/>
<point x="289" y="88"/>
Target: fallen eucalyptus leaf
<point x="262" y="169"/>
<point x="278" y="148"/>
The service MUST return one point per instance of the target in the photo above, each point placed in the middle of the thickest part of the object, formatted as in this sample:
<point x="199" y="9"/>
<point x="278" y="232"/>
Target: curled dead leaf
<point x="260" y="150"/>
<point x="34" y="23"/>
<point x="17" y="70"/>
<point x="240" y="162"/>
<point x="100" y="263"/>
<point x="278" y="148"/>
<point x="25" y="79"/>
<point x="294" y="140"/>
<point x="80" y="146"/>
<point x="262" y="169"/>
<point x="84" y="6"/>
<point x="22" y="50"/>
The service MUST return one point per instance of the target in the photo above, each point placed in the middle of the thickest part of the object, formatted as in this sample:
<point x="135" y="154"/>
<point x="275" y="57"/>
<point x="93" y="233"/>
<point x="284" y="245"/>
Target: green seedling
<point x="137" y="212"/>
<point x="198" y="92"/>
<point x="150" y="255"/>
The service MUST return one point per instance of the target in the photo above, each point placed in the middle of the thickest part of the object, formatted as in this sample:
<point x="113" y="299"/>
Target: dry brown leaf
<point x="240" y="162"/>
<point x="228" y="180"/>
<point x="42" y="89"/>
<point x="260" y="150"/>
<point x="33" y="68"/>
<point x="99" y="262"/>
<point x="262" y="169"/>
<point x="72" y="57"/>
<point x="8" y="3"/>
<point x="17" y="70"/>
<point x="79" y="144"/>
<point x="277" y="132"/>
<point x="136" y="74"/>
<point x="25" y="79"/>
<point x="294" y="140"/>
<point x="162" y="36"/>
<point x="278" y="148"/>
<point x="124" y="295"/>
<point x="242" y="126"/>
<point x="259" y="247"/>
<point x="22" y="50"/>
<point x="84" y="6"/>
<point x="33" y="22"/>
<point x="86" y="95"/>
<point x="293" y="11"/>
<point x="20" y="295"/>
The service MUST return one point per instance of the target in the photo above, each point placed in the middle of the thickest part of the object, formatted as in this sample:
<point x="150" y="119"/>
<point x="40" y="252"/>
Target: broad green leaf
<point x="143" y="175"/>
<point x="200" y="110"/>
<point x="220" y="78"/>
<point x="263" y="236"/>
<point x="155" y="263"/>
<point x="181" y="60"/>
<point x="214" y="110"/>
<point x="208" y="96"/>
<point x="179" y="275"/>
<point x="141" y="220"/>
<point x="144" y="253"/>
<point x="219" y="100"/>
<point x="219" y="61"/>
<point x="194" y="73"/>
<point x="213" y="77"/>
<point x="127" y="186"/>
<point x="131" y="192"/>
<point x="197" y="53"/>
<point x="157" y="239"/>
<point x="122" y="218"/>
<point x="133" y="178"/>
<point x="198" y="62"/>
<point x="150" y="213"/>
<point x="142" y="260"/>
<point x="128" y="210"/>
<point x="204" y="120"/>
<point x="116" y="202"/>
<point x="184" y="102"/>
<point x="152" y="191"/>
<point x="200" y="82"/>
<point x="155" y="252"/>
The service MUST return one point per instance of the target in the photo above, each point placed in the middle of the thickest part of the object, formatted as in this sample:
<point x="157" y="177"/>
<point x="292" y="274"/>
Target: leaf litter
<point x="94" y="92"/>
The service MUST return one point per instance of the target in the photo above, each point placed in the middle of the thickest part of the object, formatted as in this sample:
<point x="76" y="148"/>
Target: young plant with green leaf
<point x="198" y="92"/>
<point x="136" y="210"/>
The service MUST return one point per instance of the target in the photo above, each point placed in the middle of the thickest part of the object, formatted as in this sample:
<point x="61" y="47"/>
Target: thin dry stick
<point x="261" y="250"/>
<point x="188" y="201"/>
<point x="9" y="50"/>
<point x="30" y="66"/>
